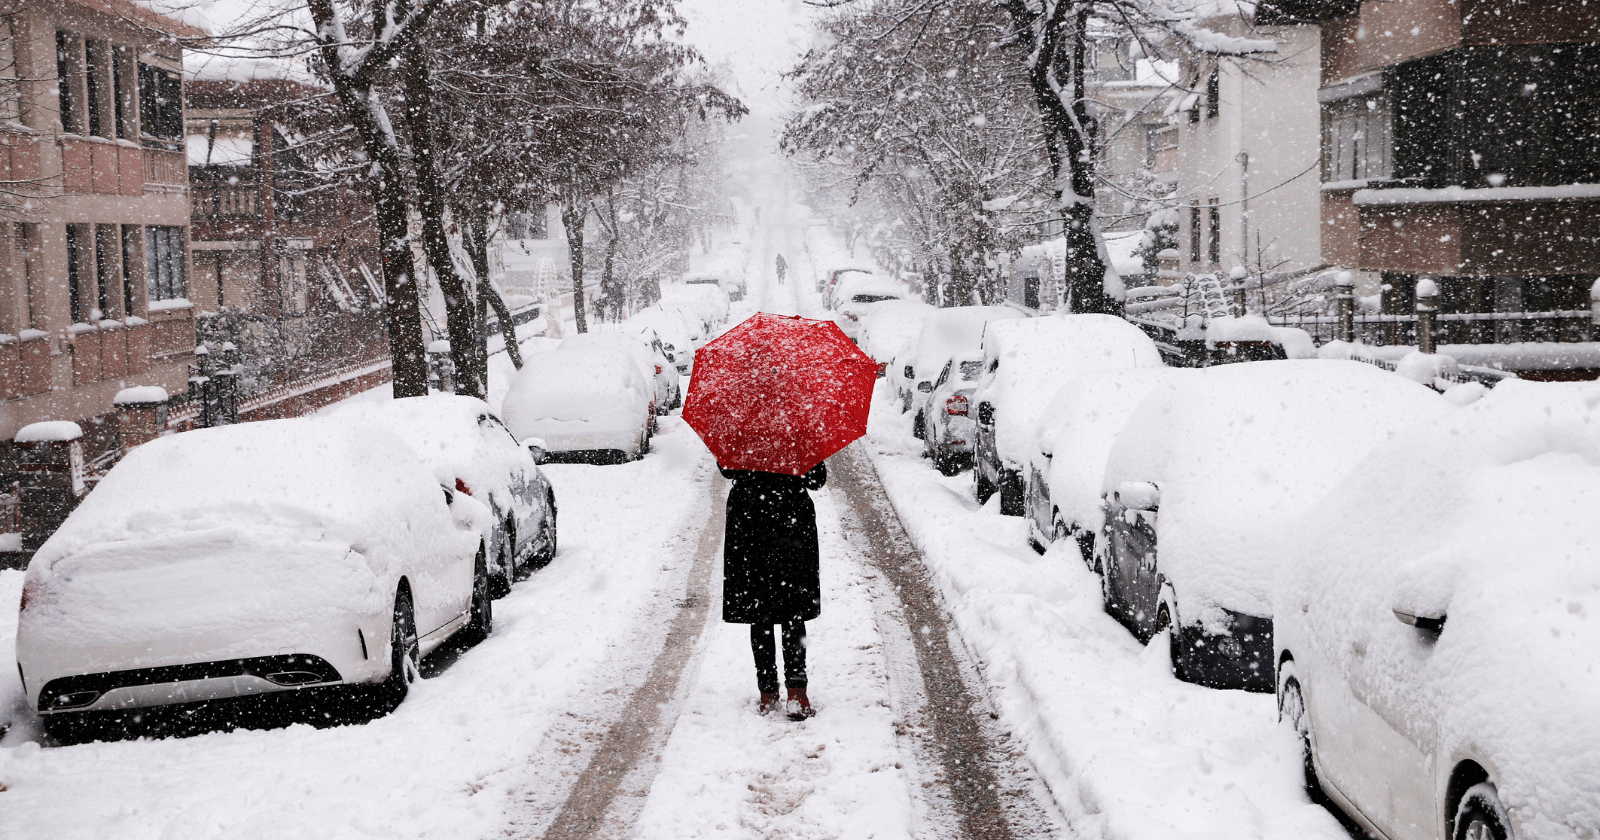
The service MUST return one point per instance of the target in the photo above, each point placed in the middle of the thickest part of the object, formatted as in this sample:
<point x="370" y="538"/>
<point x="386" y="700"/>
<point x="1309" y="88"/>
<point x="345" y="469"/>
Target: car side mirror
<point x="986" y="414"/>
<point x="1139" y="495"/>
<point x="1420" y="619"/>
<point x="537" y="449"/>
<point x="925" y="387"/>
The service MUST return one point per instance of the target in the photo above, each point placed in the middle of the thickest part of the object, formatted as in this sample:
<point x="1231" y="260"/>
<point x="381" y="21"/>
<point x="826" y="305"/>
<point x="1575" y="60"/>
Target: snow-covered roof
<point x="1078" y="429"/>
<point x="948" y="333"/>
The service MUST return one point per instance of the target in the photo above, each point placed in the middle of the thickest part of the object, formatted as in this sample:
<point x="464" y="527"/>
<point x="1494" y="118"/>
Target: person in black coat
<point x="770" y="574"/>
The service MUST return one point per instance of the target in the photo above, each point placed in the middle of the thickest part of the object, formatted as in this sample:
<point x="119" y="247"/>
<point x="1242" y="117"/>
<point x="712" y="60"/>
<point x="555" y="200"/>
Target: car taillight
<point x="956" y="405"/>
<point x="462" y="487"/>
<point x="883" y="368"/>
<point x="658" y="370"/>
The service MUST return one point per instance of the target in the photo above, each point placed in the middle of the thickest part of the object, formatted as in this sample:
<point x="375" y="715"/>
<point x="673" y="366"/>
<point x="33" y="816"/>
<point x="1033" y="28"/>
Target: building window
<point x="10" y="84"/>
<point x="292" y="280"/>
<point x="527" y="225"/>
<point x="1358" y="139"/>
<point x="163" y="262"/>
<point x="1213" y="92"/>
<point x="160" y="104"/>
<point x="106" y="275"/>
<point x="66" y="61"/>
<point x="78" y="272"/>
<point x="130" y="261"/>
<point x="1214" y="233"/>
<point x="1194" y="231"/>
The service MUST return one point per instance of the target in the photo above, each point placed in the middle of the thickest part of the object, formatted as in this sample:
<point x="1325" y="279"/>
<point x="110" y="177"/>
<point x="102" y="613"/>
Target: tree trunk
<point x="614" y="296"/>
<point x="460" y="309"/>
<point x="476" y="235"/>
<point x="572" y="218"/>
<point x="402" y="309"/>
<point x="1067" y="132"/>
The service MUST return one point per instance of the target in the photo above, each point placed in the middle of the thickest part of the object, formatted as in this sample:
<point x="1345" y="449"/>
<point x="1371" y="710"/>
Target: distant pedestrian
<point x="783" y="269"/>
<point x="770" y="575"/>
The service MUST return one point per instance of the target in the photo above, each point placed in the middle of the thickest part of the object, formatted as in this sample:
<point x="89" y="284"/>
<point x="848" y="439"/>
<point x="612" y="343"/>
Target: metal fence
<point x="1559" y="327"/>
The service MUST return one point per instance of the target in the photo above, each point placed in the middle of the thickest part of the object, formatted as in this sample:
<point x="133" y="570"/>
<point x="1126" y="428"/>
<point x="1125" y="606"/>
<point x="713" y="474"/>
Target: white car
<point x="1438" y="631"/>
<point x="708" y="302"/>
<point x="590" y="407"/>
<point x="469" y="449"/>
<point x="674" y="330"/>
<point x="1062" y="478"/>
<point x="662" y="381"/>
<point x="844" y="279"/>
<point x="1025" y="364"/>
<point x="946" y="334"/>
<point x="1202" y="470"/>
<point x="855" y="297"/>
<point x="242" y="560"/>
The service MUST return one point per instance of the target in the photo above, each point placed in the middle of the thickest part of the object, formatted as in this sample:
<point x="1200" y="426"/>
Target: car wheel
<point x="1011" y="493"/>
<point x="982" y="489"/>
<point x="919" y="428"/>
<point x="405" y="658"/>
<point x="481" y="621"/>
<point x="1292" y="712"/>
<point x="68" y="728"/>
<point x="500" y="584"/>
<point x="547" y="536"/>
<point x="1480" y="815"/>
<point x="948" y="464"/>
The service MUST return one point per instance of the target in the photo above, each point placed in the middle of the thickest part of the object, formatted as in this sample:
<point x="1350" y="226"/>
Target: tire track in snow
<point x="982" y="783"/>
<point x="622" y="757"/>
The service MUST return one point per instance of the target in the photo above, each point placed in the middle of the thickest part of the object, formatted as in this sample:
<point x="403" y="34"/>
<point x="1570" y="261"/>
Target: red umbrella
<point x="779" y="393"/>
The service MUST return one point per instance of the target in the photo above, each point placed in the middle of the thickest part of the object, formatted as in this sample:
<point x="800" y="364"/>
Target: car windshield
<point x="971" y="370"/>
<point x="700" y="281"/>
<point x="871" y="298"/>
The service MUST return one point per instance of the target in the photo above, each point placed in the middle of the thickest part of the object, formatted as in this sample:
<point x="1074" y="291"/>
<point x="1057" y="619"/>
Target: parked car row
<point x="1414" y="580"/>
<point x="318" y="556"/>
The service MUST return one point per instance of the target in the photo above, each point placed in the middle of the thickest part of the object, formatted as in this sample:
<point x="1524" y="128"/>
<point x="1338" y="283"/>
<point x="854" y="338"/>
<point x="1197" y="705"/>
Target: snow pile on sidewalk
<point x="1128" y="751"/>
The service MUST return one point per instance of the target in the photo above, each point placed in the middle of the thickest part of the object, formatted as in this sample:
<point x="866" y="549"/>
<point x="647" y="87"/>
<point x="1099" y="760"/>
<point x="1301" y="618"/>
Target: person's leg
<point x="766" y="656"/>
<point x="794" y="654"/>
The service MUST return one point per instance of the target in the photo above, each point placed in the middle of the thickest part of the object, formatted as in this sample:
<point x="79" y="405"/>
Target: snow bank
<point x="1237" y="446"/>
<point x="1078" y="429"/>
<point x="1486" y="514"/>
<point x="1026" y="362"/>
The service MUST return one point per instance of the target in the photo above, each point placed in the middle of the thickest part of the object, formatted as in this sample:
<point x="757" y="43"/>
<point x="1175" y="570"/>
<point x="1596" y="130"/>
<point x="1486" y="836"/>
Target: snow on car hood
<point x="1079" y="428"/>
<point x="890" y="324"/>
<point x="598" y="385"/>
<point x="1236" y="447"/>
<point x="1026" y="362"/>
<point x="1488" y="516"/>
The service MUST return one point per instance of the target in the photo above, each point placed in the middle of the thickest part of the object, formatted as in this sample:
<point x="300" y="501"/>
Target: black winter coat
<point x="769" y="553"/>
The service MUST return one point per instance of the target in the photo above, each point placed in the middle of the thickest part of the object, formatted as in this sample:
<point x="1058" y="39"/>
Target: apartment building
<point x="94" y="212"/>
<point x="1247" y="153"/>
<point x="1460" y="145"/>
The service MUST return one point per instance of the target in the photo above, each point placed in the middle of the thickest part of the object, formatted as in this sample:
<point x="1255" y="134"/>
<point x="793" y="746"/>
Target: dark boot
<point x="799" y="706"/>
<point x="768" y="703"/>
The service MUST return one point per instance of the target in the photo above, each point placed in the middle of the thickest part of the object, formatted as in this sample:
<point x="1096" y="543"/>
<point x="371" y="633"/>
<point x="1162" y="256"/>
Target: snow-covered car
<point x="590" y="407"/>
<point x="672" y="327"/>
<point x="468" y="448"/>
<point x="856" y="297"/>
<point x="946" y="334"/>
<point x="843" y="281"/>
<point x="1061" y="494"/>
<point x="708" y="302"/>
<point x="948" y="428"/>
<point x="826" y="282"/>
<point x="1025" y="364"/>
<point x="727" y="284"/>
<point x="1438" y="631"/>
<point x="663" y="380"/>
<point x="889" y="326"/>
<point x="282" y="555"/>
<point x="1202" y="470"/>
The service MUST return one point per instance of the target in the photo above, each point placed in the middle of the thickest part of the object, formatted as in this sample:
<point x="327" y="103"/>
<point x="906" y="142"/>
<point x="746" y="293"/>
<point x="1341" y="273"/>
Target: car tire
<point x="1292" y="712"/>
<point x="405" y="660"/>
<point x="547" y="536"/>
<point x="948" y="464"/>
<point x="919" y="427"/>
<point x="1480" y="816"/>
<point x="481" y="612"/>
<point x="982" y="489"/>
<point x="1011" y="493"/>
<point x="500" y="584"/>
<point x="68" y="728"/>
